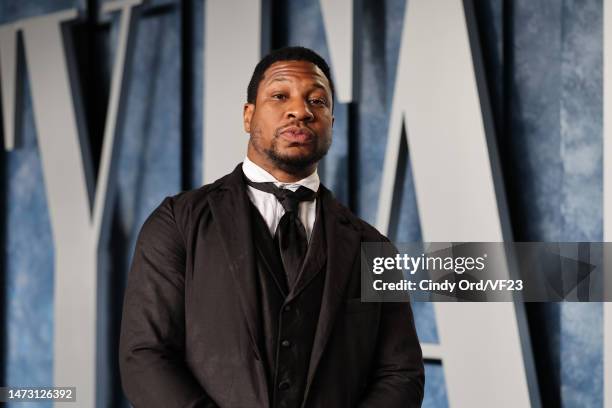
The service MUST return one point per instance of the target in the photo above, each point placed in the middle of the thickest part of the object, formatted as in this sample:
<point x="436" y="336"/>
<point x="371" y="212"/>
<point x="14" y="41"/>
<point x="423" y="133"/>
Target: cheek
<point x="267" y="120"/>
<point x="326" y="123"/>
<point x="261" y="130"/>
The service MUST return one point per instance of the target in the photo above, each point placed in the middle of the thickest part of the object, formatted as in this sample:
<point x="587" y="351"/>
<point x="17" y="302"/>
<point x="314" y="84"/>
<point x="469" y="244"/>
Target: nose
<point x="300" y="110"/>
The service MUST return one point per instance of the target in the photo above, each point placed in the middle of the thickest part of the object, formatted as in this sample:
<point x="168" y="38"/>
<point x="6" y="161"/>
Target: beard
<point x="293" y="163"/>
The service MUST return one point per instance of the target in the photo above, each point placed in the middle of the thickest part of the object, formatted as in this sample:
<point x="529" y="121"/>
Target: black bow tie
<point x="290" y="200"/>
<point x="290" y="235"/>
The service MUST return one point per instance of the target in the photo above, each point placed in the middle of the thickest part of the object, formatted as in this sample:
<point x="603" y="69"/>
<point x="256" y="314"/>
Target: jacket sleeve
<point x="151" y="351"/>
<point x="398" y="376"/>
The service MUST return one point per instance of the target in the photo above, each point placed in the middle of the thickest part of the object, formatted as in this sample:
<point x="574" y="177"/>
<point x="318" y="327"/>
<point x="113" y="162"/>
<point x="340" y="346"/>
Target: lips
<point x="296" y="134"/>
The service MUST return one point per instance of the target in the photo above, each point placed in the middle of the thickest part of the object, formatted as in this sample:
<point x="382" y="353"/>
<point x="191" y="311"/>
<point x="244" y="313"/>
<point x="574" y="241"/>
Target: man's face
<point x="291" y="121"/>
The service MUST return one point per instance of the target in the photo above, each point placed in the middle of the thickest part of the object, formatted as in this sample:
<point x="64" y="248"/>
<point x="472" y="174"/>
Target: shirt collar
<point x="259" y="175"/>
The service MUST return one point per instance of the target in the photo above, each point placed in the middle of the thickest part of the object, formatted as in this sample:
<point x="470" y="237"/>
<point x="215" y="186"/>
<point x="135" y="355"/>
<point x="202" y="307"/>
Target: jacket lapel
<point x="343" y="243"/>
<point x="229" y="205"/>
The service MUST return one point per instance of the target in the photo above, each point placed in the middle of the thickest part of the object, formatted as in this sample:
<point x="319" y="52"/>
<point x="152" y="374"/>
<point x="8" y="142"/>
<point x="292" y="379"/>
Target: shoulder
<point x="345" y="216"/>
<point x="187" y="201"/>
<point x="189" y="206"/>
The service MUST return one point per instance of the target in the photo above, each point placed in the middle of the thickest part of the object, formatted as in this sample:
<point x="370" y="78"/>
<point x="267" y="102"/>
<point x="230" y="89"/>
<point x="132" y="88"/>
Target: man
<point x="244" y="294"/>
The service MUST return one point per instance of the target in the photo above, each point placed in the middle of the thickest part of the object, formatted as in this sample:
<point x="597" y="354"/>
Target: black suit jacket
<point x="190" y="335"/>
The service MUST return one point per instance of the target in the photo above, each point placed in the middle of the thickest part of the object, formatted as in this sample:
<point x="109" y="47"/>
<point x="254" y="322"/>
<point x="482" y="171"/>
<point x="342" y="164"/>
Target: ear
<point x="247" y="115"/>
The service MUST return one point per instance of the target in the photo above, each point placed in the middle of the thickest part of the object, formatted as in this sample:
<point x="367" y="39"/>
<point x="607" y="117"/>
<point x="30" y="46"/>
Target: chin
<point x="297" y="154"/>
<point x="295" y="163"/>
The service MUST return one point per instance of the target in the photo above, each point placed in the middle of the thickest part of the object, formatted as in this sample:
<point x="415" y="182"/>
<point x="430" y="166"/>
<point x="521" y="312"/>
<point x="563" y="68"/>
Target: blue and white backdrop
<point x="475" y="120"/>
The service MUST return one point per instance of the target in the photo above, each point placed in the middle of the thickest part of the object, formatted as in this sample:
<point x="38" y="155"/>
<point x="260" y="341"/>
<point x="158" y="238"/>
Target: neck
<point x="283" y="175"/>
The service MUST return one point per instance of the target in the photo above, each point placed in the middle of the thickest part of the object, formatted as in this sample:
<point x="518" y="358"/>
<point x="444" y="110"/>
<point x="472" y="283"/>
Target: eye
<point x="279" y="96"/>
<point x="318" y="101"/>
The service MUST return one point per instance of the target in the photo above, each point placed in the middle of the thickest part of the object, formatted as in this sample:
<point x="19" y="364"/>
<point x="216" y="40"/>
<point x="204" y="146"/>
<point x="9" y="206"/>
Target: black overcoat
<point x="190" y="334"/>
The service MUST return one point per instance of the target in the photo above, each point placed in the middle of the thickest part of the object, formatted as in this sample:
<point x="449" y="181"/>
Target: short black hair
<point x="286" y="54"/>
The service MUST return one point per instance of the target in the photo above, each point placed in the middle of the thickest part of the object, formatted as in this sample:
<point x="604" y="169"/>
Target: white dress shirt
<point x="267" y="204"/>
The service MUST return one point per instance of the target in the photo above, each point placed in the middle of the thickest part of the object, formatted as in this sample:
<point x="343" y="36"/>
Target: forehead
<point x="293" y="71"/>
